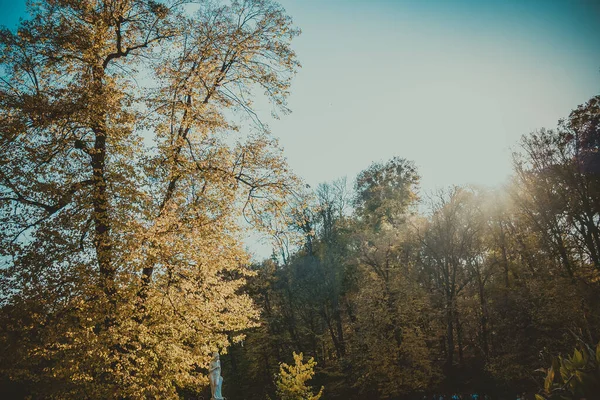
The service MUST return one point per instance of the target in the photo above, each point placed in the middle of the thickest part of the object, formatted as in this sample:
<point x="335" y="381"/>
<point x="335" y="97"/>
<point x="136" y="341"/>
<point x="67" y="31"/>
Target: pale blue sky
<point x="451" y="85"/>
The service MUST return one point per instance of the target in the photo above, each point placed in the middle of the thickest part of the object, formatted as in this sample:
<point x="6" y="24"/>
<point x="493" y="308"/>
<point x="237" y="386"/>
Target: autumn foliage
<point x="132" y="164"/>
<point x="125" y="174"/>
<point x="291" y="380"/>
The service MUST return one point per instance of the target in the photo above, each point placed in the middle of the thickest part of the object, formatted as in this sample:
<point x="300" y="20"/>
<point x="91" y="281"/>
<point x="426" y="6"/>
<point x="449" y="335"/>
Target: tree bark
<point x="101" y="218"/>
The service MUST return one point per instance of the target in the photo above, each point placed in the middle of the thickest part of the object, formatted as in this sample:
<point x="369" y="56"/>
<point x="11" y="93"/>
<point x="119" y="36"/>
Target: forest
<point x="133" y="164"/>
<point x="466" y="290"/>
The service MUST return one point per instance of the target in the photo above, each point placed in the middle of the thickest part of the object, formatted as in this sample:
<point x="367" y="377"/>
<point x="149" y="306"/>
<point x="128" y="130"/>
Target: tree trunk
<point x="459" y="341"/>
<point x="101" y="218"/>
<point x="484" y="316"/>
<point x="449" y="336"/>
<point x="504" y="256"/>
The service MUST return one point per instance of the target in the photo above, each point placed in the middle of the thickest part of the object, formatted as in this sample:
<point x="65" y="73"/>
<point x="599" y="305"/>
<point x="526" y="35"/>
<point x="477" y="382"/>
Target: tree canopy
<point x="123" y="180"/>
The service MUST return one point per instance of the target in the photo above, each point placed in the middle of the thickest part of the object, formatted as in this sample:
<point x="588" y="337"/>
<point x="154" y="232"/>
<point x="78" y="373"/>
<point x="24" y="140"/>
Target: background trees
<point x="467" y="289"/>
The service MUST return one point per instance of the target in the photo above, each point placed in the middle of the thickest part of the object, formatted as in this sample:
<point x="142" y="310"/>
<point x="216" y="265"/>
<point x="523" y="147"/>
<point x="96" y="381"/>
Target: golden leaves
<point x="138" y="102"/>
<point x="291" y="380"/>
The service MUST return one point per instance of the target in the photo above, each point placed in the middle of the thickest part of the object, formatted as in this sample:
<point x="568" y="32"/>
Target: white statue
<point x="216" y="380"/>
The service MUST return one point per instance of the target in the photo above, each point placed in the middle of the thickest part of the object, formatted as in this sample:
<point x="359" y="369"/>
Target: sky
<point x="450" y="85"/>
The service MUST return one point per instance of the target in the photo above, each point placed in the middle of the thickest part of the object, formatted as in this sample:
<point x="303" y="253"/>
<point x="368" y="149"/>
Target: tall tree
<point x="558" y="186"/>
<point x="121" y="187"/>
<point x="451" y="252"/>
<point x="390" y="353"/>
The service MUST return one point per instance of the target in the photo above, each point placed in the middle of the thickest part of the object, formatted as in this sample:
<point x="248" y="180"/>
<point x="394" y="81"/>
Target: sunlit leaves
<point x="125" y="176"/>
<point x="291" y="380"/>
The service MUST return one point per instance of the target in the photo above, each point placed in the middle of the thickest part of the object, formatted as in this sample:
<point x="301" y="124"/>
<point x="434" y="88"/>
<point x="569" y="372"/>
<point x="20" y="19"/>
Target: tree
<point x="121" y="187"/>
<point x="558" y="188"/>
<point x="389" y="350"/>
<point x="384" y="192"/>
<point x="452" y="251"/>
<point x="291" y="380"/>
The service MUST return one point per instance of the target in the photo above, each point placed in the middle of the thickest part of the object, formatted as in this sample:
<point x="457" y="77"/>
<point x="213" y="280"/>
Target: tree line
<point x="394" y="292"/>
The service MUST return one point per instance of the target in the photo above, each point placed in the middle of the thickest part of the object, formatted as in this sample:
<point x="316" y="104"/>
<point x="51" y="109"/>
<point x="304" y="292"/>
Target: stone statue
<point x="216" y="380"/>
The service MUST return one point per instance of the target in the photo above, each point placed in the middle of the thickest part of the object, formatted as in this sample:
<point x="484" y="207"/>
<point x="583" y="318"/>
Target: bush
<point x="574" y="377"/>
<point x="291" y="380"/>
